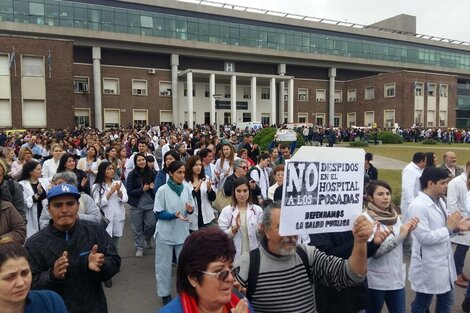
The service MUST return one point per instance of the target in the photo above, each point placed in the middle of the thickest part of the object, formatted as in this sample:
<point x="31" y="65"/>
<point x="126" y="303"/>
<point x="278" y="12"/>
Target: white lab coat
<point x="206" y="206"/>
<point x="410" y="187"/>
<point x="432" y="268"/>
<point x="32" y="226"/>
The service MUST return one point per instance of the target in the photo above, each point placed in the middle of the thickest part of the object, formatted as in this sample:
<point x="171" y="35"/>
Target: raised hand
<point x="60" y="266"/>
<point x="408" y="227"/>
<point x="362" y="229"/>
<point x="95" y="259"/>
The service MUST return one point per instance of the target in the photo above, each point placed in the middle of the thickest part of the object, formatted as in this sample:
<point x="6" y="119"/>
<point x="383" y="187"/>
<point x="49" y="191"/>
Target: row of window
<point x="104" y="18"/>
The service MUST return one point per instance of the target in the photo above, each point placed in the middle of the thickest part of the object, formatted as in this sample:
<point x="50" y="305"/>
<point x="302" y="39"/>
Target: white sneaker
<point x="139" y="253"/>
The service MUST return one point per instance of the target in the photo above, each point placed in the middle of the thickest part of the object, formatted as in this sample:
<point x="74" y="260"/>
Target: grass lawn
<point x="404" y="152"/>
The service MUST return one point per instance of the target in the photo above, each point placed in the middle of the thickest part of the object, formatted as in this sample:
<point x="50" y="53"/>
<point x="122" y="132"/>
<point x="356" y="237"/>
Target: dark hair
<point x="263" y="156"/>
<point x="429" y="159"/>
<point x="63" y="160"/>
<point x="174" y="154"/>
<point x="206" y="245"/>
<point x="189" y="168"/>
<point x="283" y="146"/>
<point x="373" y="185"/>
<point x="143" y="142"/>
<point x="150" y="158"/>
<point x="96" y="152"/>
<point x="28" y="168"/>
<point x="419" y="157"/>
<point x="238" y="182"/>
<point x="100" y="176"/>
<point x="146" y="172"/>
<point x="10" y="249"/>
<point x="368" y="156"/>
<point x="432" y="174"/>
<point x="204" y="152"/>
<point x="174" y="166"/>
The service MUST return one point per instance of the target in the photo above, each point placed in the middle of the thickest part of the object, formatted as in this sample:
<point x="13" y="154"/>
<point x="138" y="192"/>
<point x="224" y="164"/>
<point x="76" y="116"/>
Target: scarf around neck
<point x="387" y="218"/>
<point x="189" y="304"/>
<point x="178" y="188"/>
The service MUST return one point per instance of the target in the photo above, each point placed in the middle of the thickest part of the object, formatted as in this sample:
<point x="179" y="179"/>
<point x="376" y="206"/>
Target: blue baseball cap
<point x="63" y="190"/>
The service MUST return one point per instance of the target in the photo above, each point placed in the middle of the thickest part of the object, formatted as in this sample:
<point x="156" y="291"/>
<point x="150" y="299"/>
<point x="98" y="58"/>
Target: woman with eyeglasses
<point x="204" y="278"/>
<point x="278" y="174"/>
<point x="240" y="220"/>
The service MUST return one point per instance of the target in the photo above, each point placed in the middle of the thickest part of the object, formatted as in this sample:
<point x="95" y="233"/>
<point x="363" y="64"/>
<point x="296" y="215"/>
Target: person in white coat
<point x="110" y="196"/>
<point x="432" y="269"/>
<point x="241" y="219"/>
<point x="386" y="268"/>
<point x="410" y="181"/>
<point x="49" y="168"/>
<point x="203" y="194"/>
<point x="33" y="193"/>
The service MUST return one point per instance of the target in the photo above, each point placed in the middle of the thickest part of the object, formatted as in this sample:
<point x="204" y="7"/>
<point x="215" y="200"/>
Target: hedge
<point x="387" y="137"/>
<point x="265" y="136"/>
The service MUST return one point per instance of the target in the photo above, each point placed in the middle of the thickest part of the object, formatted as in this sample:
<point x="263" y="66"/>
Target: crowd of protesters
<point x="63" y="192"/>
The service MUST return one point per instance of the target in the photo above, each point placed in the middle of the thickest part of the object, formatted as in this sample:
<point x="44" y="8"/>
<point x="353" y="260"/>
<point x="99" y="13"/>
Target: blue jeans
<point x="395" y="300"/>
<point x="459" y="257"/>
<point x="422" y="302"/>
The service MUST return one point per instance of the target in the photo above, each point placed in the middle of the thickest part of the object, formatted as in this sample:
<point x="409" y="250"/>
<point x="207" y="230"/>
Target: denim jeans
<point x="459" y="257"/>
<point x="143" y="225"/>
<point x="422" y="302"/>
<point x="394" y="299"/>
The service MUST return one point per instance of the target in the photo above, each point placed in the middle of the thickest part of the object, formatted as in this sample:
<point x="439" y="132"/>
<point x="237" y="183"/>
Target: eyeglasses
<point x="244" y="167"/>
<point x="222" y="275"/>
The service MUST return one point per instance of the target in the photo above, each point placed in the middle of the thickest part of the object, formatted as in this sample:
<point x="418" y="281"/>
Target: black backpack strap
<point x="304" y="257"/>
<point x="252" y="273"/>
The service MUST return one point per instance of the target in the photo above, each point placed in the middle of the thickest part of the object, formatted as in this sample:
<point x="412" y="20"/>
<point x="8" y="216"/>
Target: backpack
<point x="253" y="270"/>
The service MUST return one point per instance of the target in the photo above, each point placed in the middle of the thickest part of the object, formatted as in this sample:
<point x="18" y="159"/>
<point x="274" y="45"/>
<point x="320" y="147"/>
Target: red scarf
<point x="190" y="306"/>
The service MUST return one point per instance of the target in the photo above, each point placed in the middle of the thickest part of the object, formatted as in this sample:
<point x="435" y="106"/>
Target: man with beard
<point x="281" y="275"/>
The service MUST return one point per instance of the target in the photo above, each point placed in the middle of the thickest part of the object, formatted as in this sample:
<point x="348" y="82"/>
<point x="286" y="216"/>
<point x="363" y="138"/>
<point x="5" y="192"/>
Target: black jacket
<point x="135" y="185"/>
<point x="81" y="288"/>
<point x="348" y="300"/>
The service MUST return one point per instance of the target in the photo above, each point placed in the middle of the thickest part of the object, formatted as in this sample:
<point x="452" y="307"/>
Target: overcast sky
<point x="449" y="19"/>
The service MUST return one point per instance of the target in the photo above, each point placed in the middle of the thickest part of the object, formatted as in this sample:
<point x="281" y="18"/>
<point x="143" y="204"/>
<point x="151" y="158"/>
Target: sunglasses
<point x="244" y="167"/>
<point x="222" y="275"/>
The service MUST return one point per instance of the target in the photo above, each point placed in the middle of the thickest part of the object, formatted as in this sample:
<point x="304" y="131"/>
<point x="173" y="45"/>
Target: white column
<point x="175" y="62"/>
<point x="233" y="98"/>
<point x="211" y="95"/>
<point x="189" y="82"/>
<point x="96" y="53"/>
<point x="331" y="98"/>
<point x="253" y="100"/>
<point x="281" y="102"/>
<point x="290" y="101"/>
<point x="272" y="91"/>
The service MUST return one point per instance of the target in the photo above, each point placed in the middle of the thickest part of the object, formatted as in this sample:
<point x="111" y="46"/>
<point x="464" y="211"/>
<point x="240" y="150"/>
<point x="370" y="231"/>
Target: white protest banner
<point x="322" y="190"/>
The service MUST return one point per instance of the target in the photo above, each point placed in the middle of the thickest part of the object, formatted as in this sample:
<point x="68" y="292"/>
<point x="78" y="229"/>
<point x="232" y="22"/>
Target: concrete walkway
<point x="385" y="163"/>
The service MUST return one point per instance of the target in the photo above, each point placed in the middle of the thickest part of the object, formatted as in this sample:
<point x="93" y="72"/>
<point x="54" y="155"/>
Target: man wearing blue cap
<point x="72" y="256"/>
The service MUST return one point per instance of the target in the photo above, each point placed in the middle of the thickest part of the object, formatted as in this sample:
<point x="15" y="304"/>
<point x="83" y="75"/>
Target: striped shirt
<point x="283" y="284"/>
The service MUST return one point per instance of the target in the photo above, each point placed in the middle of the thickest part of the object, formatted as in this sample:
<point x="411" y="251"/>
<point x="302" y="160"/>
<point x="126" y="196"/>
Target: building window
<point x="36" y="9"/>
<point x="139" y="87"/>
<point x="418" y="89"/>
<point x="207" y="118"/>
<point x="302" y="117"/>
<point x="431" y="88"/>
<point x="265" y="119"/>
<point x="227" y="92"/>
<point x="247" y="117"/>
<point x="146" y="21"/>
<point x="389" y="118"/>
<point x="337" y="120"/>
<point x="338" y="96"/>
<point x="351" y="119"/>
<point x="369" y="118"/>
<point x="140" y="118"/>
<point x="265" y="94"/>
<point x="110" y="86"/>
<point x="369" y="93"/>
<point x="320" y="96"/>
<point x="82" y="118"/>
<point x="320" y="119"/>
<point x="81" y="85"/>
<point x="165" y="89"/>
<point x="389" y="90"/>
<point x="442" y="118"/>
<point x="186" y="90"/>
<point x="246" y="92"/>
<point x="227" y="118"/>
<point x="352" y="95"/>
<point x="443" y="90"/>
<point x="286" y="94"/>
<point x="431" y="118"/>
<point x="112" y="118"/>
<point x="302" y="94"/>
<point x="207" y="92"/>
<point x="419" y="118"/>
<point x="32" y="66"/>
